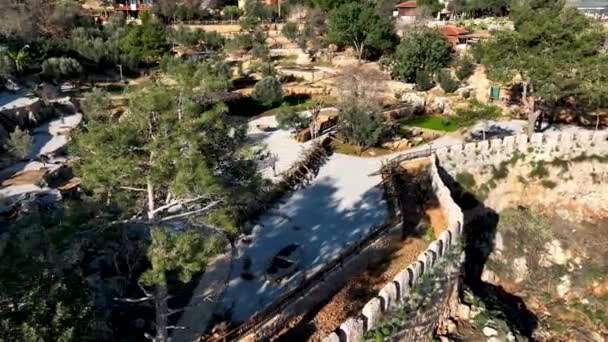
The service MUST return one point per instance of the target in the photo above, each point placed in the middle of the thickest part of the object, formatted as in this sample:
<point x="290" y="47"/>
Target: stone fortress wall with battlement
<point x="399" y="289"/>
<point x="469" y="157"/>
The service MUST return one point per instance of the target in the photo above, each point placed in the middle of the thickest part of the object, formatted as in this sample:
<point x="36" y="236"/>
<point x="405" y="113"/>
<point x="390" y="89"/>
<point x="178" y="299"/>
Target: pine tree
<point x="19" y="143"/>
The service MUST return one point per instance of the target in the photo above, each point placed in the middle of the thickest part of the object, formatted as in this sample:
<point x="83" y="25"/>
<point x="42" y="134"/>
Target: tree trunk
<point x="150" y="190"/>
<point x="162" y="310"/>
<point x="530" y="107"/>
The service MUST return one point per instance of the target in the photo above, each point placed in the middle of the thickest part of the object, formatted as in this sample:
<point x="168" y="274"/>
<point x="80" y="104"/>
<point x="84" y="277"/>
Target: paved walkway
<point x="337" y="209"/>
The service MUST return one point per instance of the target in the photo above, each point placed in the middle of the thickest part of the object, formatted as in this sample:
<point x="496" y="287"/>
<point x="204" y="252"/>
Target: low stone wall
<point x="399" y="289"/>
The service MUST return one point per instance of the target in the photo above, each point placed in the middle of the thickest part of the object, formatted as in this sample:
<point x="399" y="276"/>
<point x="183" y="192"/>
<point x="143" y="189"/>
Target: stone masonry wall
<point x="399" y="289"/>
<point x="470" y="157"/>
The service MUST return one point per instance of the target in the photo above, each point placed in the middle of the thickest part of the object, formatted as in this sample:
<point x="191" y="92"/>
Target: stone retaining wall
<point x="399" y="289"/>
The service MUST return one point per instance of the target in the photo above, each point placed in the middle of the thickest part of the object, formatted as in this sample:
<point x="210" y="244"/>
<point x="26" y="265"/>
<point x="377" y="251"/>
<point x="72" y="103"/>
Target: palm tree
<point x="19" y="58"/>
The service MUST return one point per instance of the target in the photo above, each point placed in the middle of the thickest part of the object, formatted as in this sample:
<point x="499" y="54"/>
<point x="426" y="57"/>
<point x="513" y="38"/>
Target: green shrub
<point x="475" y="112"/>
<point x="291" y="31"/>
<point x="466" y="180"/>
<point x="19" y="143"/>
<point x="242" y="41"/>
<point x="360" y="127"/>
<point x="56" y="68"/>
<point x="191" y="37"/>
<point x="268" y="91"/>
<point x="447" y="82"/>
<point x="423" y="81"/>
<point x="289" y="118"/>
<point x="465" y="68"/>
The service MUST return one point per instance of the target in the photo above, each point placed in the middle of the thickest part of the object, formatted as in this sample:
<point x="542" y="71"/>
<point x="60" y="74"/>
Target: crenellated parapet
<point x="398" y="290"/>
<point x="453" y="159"/>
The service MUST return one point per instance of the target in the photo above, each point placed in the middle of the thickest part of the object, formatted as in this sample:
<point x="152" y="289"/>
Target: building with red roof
<point x="455" y="35"/>
<point x="406" y="11"/>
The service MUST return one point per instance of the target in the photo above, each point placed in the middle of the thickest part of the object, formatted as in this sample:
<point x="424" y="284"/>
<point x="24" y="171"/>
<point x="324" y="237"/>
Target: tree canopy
<point x="421" y="49"/>
<point x="572" y="64"/>
<point x="356" y="24"/>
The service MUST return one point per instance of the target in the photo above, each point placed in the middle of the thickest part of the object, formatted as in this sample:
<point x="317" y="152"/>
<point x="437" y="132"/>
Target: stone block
<point x="445" y="238"/>
<point x="415" y="269"/>
<point x="456" y="149"/>
<point x="333" y="337"/>
<point x="353" y="329"/>
<point x="536" y="139"/>
<point x="483" y="145"/>
<point x="583" y="137"/>
<point x="522" y="142"/>
<point x="424" y="264"/>
<point x="508" y="143"/>
<point x="496" y="144"/>
<point x="470" y="149"/>
<point x="442" y="153"/>
<point x="600" y="137"/>
<point x="403" y="279"/>
<point x="372" y="312"/>
<point x="435" y="247"/>
<point x="389" y="294"/>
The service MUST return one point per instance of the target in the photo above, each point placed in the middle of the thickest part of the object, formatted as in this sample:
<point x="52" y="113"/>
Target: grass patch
<point x="434" y="122"/>
<point x="539" y="170"/>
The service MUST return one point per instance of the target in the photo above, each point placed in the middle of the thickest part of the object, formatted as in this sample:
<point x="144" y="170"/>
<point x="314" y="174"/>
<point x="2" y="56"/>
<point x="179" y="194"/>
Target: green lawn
<point x="434" y="122"/>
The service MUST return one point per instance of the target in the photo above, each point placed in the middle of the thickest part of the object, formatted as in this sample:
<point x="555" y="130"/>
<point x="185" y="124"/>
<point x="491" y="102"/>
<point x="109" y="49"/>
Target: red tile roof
<point x="451" y="30"/>
<point x="407" y="4"/>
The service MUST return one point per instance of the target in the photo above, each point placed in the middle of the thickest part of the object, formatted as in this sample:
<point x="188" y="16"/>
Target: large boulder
<point x="416" y="100"/>
<point x="464" y="92"/>
<point x="439" y="105"/>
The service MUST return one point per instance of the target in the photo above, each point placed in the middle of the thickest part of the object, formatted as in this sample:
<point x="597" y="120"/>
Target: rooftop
<point x="407" y="4"/>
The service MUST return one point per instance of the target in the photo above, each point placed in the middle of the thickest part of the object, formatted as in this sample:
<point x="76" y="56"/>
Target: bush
<point x="19" y="143"/>
<point x="240" y="42"/>
<point x="266" y="69"/>
<point x="290" y="31"/>
<point x="420" y="48"/>
<point x="359" y="126"/>
<point x="96" y="104"/>
<point x="57" y="68"/>
<point x="447" y="82"/>
<point x="191" y="37"/>
<point x="231" y="12"/>
<point x="260" y="51"/>
<point x="268" y="91"/>
<point x="465" y="68"/>
<point x="475" y="112"/>
<point x="423" y="81"/>
<point x="289" y="118"/>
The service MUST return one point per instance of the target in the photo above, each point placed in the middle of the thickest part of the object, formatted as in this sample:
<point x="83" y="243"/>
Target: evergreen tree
<point x="556" y="53"/>
<point x="420" y="49"/>
<point x="268" y="91"/>
<point x="20" y="143"/>
<point x="356" y="24"/>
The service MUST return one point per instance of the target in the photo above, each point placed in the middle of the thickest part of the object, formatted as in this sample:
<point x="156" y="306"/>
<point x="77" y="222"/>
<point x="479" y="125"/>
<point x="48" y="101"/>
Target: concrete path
<point x="340" y="206"/>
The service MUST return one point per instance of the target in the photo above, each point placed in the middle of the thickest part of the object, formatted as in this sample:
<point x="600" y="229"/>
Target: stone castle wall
<point x="469" y="157"/>
<point x="398" y="290"/>
<point x="547" y="147"/>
